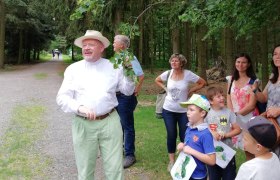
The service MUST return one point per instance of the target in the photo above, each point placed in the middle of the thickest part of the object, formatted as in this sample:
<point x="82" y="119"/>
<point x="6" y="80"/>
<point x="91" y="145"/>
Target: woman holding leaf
<point x="178" y="90"/>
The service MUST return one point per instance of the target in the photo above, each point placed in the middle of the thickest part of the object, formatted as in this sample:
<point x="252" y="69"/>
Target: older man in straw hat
<point x="89" y="91"/>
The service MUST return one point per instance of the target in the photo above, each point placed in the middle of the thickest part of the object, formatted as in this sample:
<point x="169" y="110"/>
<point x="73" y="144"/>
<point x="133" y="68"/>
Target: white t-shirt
<point x="260" y="169"/>
<point x="177" y="91"/>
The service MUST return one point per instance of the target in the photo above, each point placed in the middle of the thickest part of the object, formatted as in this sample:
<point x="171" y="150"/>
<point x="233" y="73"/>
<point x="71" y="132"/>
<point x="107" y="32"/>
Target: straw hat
<point x="92" y="34"/>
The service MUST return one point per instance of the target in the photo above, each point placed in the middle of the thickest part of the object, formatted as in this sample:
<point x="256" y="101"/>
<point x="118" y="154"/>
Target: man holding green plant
<point x="127" y="104"/>
<point x="89" y="90"/>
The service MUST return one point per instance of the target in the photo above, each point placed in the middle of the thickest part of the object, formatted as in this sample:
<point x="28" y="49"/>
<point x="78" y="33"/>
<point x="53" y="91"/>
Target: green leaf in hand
<point x="124" y="58"/>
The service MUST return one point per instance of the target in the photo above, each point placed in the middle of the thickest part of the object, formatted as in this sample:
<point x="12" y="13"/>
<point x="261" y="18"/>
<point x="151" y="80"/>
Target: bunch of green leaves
<point x="124" y="58"/>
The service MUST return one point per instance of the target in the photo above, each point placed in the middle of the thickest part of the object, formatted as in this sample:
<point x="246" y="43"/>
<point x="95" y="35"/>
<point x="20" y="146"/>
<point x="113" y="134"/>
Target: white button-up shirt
<point x="93" y="85"/>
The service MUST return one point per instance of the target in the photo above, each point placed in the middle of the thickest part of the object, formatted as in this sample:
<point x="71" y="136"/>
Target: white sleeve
<point x="245" y="172"/>
<point x="65" y="96"/>
<point x="125" y="85"/>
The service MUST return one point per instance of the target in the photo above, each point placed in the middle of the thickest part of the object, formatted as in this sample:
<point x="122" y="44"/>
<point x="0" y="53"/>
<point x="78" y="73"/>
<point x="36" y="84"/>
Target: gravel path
<point x="20" y="87"/>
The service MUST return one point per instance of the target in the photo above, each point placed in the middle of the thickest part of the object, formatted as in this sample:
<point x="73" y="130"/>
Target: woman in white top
<point x="177" y="91"/>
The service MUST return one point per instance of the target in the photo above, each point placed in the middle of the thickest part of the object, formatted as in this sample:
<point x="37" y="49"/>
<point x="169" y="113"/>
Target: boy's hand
<point x="188" y="150"/>
<point x="216" y="135"/>
<point x="180" y="146"/>
<point x="222" y="135"/>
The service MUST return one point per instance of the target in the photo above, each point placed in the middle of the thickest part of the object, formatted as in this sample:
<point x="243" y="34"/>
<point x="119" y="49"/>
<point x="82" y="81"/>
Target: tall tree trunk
<point x="141" y="30"/>
<point x="175" y="38"/>
<point x="20" y="49"/>
<point x="264" y="56"/>
<point x="118" y="18"/>
<point x="38" y="54"/>
<point x="228" y="49"/>
<point x="201" y="52"/>
<point x="2" y="33"/>
<point x="34" y="54"/>
<point x="27" y="49"/>
<point x="72" y="53"/>
<point x="241" y="44"/>
<point x="187" y="45"/>
<point x="255" y="54"/>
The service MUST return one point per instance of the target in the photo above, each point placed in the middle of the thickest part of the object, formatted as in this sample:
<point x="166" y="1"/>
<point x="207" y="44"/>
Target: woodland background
<point x="208" y="32"/>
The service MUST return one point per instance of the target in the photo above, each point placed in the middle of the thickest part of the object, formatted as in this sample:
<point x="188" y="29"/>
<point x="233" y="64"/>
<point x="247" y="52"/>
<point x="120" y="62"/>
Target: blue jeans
<point x="217" y="173"/>
<point x="125" y="108"/>
<point x="171" y="119"/>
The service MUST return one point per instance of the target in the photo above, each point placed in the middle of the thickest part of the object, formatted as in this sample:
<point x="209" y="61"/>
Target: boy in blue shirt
<point x="198" y="139"/>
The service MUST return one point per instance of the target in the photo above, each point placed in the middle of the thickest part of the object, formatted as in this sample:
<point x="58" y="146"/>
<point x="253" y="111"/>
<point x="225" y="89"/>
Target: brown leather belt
<point x="99" y="117"/>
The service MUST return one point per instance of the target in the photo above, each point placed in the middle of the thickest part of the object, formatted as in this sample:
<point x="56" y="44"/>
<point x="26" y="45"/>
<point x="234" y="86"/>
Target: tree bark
<point x="2" y="33"/>
<point x="141" y="30"/>
<point x="175" y="40"/>
<point x="20" y="49"/>
<point x="187" y="51"/>
<point x="228" y="49"/>
<point x="264" y="56"/>
<point x="201" y="52"/>
<point x="255" y="54"/>
<point x="118" y="18"/>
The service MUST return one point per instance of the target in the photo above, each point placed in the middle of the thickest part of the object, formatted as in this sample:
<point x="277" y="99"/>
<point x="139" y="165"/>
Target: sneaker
<point x="129" y="161"/>
<point x="170" y="165"/>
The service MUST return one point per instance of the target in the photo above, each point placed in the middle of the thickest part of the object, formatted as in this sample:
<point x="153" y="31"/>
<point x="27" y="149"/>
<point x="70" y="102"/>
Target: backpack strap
<point x="251" y="82"/>
<point x="168" y="74"/>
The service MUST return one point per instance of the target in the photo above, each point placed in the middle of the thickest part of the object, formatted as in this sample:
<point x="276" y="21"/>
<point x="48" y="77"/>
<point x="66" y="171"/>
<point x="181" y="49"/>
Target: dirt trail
<point x="20" y="87"/>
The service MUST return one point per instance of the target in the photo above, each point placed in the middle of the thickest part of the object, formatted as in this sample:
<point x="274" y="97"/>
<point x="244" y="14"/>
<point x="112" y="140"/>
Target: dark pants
<point x="199" y="179"/>
<point x="217" y="173"/>
<point x="125" y="109"/>
<point x="171" y="120"/>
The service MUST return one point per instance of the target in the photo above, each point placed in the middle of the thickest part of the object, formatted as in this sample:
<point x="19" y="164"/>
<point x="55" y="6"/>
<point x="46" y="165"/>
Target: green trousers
<point x="89" y="137"/>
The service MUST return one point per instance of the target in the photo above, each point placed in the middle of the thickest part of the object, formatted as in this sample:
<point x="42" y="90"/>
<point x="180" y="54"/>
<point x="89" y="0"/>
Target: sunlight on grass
<point x="41" y="75"/>
<point x="18" y="157"/>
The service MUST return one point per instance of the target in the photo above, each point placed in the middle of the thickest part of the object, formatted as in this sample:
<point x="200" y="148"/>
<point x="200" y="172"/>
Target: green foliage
<point x="58" y="43"/>
<point x="129" y="30"/>
<point x="242" y="16"/>
<point x="94" y="7"/>
<point x="124" y="58"/>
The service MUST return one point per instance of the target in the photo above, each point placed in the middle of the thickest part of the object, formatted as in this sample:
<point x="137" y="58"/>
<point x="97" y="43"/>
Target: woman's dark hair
<point x="249" y="71"/>
<point x="275" y="72"/>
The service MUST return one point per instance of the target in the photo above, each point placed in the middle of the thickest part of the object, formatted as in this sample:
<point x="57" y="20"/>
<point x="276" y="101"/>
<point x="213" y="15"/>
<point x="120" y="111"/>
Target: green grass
<point x="67" y="59"/>
<point x="18" y="157"/>
<point x="41" y="75"/>
<point x="45" y="57"/>
<point x="151" y="150"/>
